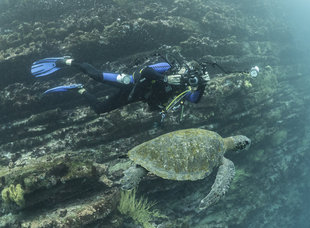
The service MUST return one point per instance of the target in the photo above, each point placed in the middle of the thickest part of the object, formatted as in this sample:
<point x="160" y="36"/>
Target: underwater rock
<point x="81" y="188"/>
<point x="40" y="180"/>
<point x="53" y="182"/>
<point x="98" y="207"/>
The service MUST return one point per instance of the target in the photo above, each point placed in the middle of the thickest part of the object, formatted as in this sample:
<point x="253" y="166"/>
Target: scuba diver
<point x="154" y="84"/>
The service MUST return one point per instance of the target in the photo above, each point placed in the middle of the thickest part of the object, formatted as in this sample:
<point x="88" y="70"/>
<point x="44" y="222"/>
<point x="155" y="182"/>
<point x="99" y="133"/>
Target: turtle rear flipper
<point x="224" y="176"/>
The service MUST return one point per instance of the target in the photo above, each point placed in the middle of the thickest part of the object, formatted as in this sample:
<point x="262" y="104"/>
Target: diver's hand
<point x="174" y="79"/>
<point x="193" y="88"/>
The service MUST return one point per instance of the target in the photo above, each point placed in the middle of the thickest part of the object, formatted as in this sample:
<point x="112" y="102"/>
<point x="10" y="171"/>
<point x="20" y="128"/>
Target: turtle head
<point x="241" y="142"/>
<point x="237" y="143"/>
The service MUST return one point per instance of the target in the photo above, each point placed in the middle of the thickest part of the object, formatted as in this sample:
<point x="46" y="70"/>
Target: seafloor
<point x="61" y="162"/>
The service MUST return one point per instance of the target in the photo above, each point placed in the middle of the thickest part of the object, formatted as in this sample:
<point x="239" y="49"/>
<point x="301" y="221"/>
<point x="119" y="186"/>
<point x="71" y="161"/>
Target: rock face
<point x="60" y="162"/>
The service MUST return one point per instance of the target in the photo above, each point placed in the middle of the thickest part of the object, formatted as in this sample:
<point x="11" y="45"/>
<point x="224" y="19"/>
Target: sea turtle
<point x="189" y="154"/>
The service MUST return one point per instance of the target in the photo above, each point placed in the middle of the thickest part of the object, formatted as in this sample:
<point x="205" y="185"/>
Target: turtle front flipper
<point x="224" y="176"/>
<point x="132" y="177"/>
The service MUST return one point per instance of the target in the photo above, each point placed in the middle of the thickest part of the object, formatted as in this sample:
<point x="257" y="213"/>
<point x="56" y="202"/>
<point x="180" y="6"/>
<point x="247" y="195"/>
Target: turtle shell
<point x="188" y="154"/>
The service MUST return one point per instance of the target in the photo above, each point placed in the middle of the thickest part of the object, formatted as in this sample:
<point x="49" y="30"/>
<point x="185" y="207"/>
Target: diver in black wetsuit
<point x="151" y="84"/>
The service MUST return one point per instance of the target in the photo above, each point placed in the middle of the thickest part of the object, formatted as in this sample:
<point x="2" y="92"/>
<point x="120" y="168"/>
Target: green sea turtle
<point x="189" y="154"/>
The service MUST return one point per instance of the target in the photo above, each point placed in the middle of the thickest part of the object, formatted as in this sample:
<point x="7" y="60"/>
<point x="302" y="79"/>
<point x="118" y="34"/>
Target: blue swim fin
<point x="48" y="66"/>
<point x="64" y="88"/>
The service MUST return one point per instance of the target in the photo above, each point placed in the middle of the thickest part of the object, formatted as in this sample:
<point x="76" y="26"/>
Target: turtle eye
<point x="246" y="144"/>
<point x="241" y="146"/>
<point x="243" y="143"/>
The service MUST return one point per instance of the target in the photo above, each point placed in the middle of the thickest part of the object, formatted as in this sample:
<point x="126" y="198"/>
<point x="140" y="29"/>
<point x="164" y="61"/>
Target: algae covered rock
<point x="41" y="180"/>
<point x="56" y="183"/>
<point x="13" y="194"/>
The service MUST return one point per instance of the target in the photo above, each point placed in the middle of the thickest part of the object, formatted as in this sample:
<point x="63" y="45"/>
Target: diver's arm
<point x="161" y="67"/>
<point x="155" y="72"/>
<point x="150" y="74"/>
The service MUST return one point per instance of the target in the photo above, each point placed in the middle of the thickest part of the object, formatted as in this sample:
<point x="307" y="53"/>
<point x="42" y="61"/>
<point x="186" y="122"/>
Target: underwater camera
<point x="194" y="78"/>
<point x="196" y="75"/>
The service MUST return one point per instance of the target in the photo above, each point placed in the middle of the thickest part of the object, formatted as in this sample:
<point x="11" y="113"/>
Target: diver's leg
<point x="115" y="101"/>
<point x="113" y="79"/>
<point x="89" y="70"/>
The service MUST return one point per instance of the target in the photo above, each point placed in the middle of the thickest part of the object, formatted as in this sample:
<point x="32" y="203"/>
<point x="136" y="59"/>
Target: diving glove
<point x="174" y="79"/>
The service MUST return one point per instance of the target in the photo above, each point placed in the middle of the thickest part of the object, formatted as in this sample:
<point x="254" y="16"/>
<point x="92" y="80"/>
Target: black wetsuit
<point x="153" y="89"/>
